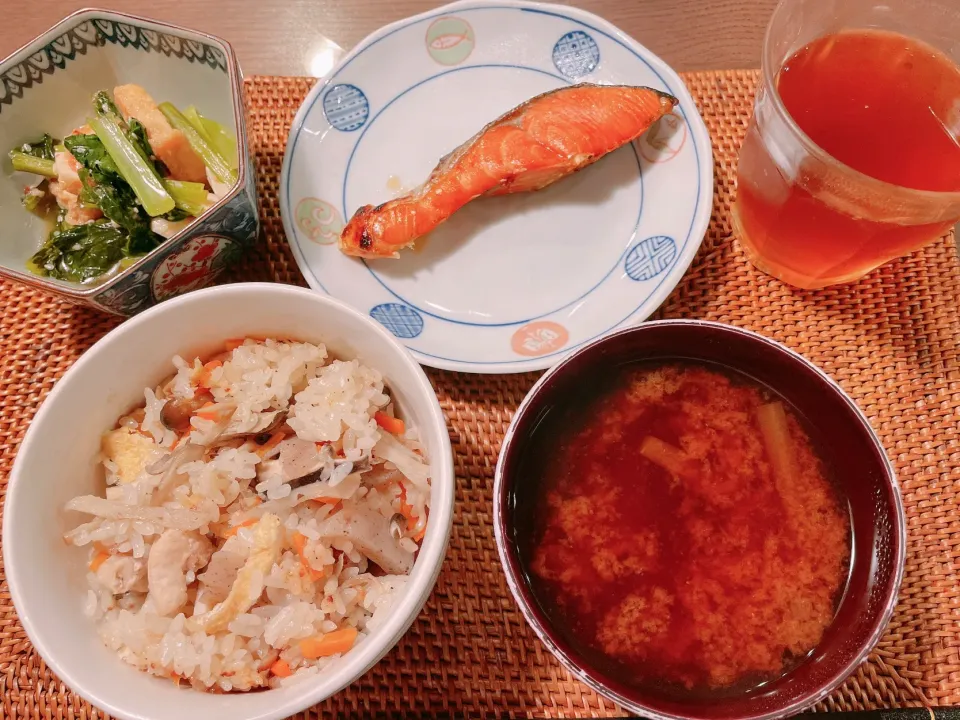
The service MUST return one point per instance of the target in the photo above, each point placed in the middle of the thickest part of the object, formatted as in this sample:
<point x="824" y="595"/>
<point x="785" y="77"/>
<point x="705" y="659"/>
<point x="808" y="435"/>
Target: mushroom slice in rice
<point x="175" y="414"/>
<point x="268" y="422"/>
<point x="370" y="533"/>
<point x="171" y="470"/>
<point x="246" y="590"/>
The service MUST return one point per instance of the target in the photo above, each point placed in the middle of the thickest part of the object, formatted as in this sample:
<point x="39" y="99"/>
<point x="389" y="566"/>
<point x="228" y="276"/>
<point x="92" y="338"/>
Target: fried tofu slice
<point x="129" y="451"/>
<point x="170" y="145"/>
<point x="247" y="588"/>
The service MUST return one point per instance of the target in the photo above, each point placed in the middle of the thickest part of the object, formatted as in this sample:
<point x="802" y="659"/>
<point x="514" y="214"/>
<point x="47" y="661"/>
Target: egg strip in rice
<point x="262" y="512"/>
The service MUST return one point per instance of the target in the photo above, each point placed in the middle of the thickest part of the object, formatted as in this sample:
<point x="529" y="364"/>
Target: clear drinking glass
<point x="809" y="218"/>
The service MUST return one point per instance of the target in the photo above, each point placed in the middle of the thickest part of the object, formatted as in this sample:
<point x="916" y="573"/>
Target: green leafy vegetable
<point x="137" y="134"/>
<point x="211" y="158"/>
<point x="81" y="253"/>
<point x="177" y="214"/>
<point x="43" y="148"/>
<point x="193" y="117"/>
<point x="121" y="175"/>
<point x="223" y="142"/>
<point x="31" y="202"/>
<point x="215" y="135"/>
<point x="31" y="164"/>
<point x="117" y="202"/>
<point x="105" y="187"/>
<point x="190" y="197"/>
<point x="104" y="106"/>
<point x="92" y="155"/>
<point x="135" y="169"/>
<point x="40" y="201"/>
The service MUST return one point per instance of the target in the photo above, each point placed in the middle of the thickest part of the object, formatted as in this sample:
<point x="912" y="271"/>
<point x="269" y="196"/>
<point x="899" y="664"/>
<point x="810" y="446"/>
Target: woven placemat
<point x="891" y="341"/>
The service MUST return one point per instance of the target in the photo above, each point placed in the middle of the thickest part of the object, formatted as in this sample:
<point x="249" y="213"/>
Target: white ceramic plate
<point x="510" y="283"/>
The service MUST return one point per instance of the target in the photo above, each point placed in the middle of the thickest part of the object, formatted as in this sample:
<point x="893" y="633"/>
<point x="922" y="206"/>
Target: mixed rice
<point x="263" y="510"/>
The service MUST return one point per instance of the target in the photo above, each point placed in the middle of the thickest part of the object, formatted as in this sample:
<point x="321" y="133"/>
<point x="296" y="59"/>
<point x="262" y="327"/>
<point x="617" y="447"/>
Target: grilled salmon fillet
<point x="537" y="143"/>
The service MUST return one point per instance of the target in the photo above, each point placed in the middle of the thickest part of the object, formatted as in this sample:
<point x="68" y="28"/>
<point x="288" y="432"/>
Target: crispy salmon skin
<point x="537" y="143"/>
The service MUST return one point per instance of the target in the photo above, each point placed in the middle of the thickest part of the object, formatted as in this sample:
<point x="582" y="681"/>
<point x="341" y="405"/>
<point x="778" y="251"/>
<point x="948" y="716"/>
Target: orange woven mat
<point x="890" y="340"/>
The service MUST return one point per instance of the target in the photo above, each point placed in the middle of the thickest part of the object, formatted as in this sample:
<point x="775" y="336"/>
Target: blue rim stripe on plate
<point x="296" y="131"/>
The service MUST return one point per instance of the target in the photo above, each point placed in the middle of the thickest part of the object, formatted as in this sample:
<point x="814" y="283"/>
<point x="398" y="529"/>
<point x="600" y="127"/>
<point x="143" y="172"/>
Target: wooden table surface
<point x="292" y="37"/>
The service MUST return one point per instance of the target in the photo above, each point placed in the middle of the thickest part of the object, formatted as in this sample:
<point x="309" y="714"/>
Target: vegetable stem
<point x="222" y="141"/>
<point x="131" y="165"/>
<point x="215" y="134"/>
<point x="29" y="163"/>
<point x="190" y="197"/>
<point x="211" y="158"/>
<point x="193" y="117"/>
<point x="776" y="437"/>
<point x="672" y="459"/>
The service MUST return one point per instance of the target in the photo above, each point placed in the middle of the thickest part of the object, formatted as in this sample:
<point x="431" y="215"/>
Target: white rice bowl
<point x="113" y="633"/>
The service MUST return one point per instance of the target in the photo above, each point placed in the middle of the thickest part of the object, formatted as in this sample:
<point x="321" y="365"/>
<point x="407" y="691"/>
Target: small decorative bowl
<point x="854" y="453"/>
<point x="46" y="86"/>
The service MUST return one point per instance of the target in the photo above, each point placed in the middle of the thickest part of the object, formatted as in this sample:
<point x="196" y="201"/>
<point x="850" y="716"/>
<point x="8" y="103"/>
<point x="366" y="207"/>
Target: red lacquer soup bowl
<point x="847" y="447"/>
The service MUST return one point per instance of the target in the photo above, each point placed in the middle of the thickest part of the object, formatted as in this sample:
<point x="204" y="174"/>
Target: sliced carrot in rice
<point x="325" y="500"/>
<point x="338" y="641"/>
<point x="204" y="377"/>
<point x="299" y="542"/>
<point x="207" y="412"/>
<point x="406" y="509"/>
<point x="270" y="444"/>
<point x="281" y="668"/>
<point x="233" y="530"/>
<point x="390" y="423"/>
<point x="300" y="545"/>
<point x="99" y="559"/>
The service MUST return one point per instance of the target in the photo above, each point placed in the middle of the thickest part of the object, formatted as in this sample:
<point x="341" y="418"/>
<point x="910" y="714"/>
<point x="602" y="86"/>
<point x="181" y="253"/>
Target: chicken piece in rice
<point x="262" y="512"/>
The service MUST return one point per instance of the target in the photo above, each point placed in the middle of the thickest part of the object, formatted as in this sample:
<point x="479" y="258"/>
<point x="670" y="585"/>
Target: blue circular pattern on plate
<point x="650" y="257"/>
<point x="346" y="107"/>
<point x="402" y="320"/>
<point x="576" y="54"/>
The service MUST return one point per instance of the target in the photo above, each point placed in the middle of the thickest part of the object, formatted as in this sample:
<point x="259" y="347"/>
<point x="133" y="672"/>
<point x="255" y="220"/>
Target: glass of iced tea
<point x="853" y="155"/>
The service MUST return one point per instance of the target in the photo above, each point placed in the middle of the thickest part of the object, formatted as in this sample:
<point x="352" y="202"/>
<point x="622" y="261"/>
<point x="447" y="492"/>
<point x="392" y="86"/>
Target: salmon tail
<point x="667" y="98"/>
<point x="356" y="238"/>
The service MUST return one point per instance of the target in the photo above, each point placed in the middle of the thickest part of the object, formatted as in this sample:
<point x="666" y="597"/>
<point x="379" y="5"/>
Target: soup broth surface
<point x="680" y="528"/>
